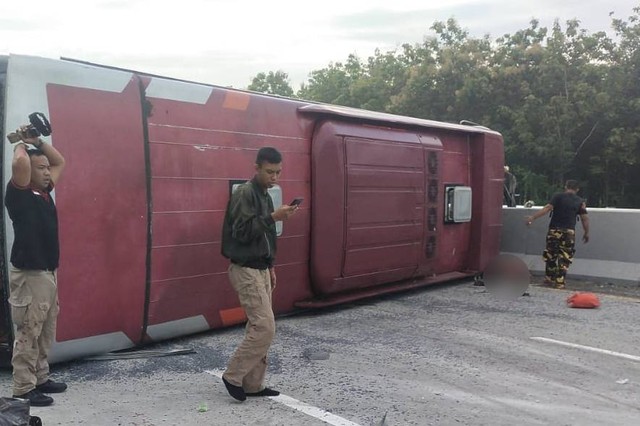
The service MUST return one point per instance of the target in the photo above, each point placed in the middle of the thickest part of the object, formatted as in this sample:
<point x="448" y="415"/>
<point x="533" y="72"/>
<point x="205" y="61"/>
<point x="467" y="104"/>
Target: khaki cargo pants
<point x="33" y="296"/>
<point x="248" y="364"/>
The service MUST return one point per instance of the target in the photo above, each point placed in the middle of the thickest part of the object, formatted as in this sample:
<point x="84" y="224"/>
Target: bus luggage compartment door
<point x="368" y="218"/>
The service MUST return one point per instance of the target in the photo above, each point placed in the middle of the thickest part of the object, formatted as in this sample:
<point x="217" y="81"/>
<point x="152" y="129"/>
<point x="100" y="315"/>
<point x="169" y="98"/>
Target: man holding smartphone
<point x="249" y="242"/>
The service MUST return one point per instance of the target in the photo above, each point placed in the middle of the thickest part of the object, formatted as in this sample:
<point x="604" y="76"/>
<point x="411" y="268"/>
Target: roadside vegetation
<point x="566" y="100"/>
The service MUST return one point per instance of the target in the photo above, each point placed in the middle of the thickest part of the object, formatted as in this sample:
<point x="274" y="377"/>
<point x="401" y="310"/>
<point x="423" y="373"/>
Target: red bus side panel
<point x="102" y="210"/>
<point x="487" y="177"/>
<point x="454" y="238"/>
<point x="199" y="146"/>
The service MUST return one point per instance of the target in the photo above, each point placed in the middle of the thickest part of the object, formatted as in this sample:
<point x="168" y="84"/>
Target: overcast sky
<point x="227" y="42"/>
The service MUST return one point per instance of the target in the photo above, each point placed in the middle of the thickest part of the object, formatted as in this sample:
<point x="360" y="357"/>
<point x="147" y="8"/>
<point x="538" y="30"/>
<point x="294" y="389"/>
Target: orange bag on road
<point x="583" y="300"/>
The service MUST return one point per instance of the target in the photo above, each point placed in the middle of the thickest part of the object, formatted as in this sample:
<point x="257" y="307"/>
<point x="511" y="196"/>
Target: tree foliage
<point x="273" y="83"/>
<point x="567" y="101"/>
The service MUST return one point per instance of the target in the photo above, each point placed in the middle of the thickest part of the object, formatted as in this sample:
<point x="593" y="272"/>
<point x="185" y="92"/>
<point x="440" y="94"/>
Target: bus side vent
<point x="432" y="219"/>
<point x="433" y="163"/>
<point x="432" y="191"/>
<point x="431" y="247"/>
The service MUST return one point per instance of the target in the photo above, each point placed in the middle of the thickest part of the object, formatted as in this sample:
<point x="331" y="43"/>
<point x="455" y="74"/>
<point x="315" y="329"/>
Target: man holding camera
<point x="34" y="260"/>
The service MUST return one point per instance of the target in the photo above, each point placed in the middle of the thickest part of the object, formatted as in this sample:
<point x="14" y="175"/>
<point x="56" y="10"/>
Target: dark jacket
<point x="249" y="232"/>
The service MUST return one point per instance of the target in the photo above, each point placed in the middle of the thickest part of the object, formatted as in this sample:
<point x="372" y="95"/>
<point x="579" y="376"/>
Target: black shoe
<point x="235" y="391"/>
<point x="36" y="398"/>
<point x="52" y="387"/>
<point x="264" y="392"/>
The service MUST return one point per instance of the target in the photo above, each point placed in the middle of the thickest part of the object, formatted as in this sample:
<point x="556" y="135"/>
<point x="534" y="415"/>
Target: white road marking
<point x="588" y="348"/>
<point x="303" y="407"/>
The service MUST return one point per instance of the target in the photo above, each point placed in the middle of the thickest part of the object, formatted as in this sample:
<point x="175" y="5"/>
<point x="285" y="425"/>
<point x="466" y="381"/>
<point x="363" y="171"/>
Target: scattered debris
<point x="315" y="354"/>
<point x="111" y="356"/>
<point x="202" y="408"/>
<point x="622" y="381"/>
<point x="583" y="300"/>
<point x="383" y="422"/>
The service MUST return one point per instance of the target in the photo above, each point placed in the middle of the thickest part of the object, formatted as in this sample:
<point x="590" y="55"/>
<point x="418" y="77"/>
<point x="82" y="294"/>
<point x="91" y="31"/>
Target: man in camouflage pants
<point x="558" y="255"/>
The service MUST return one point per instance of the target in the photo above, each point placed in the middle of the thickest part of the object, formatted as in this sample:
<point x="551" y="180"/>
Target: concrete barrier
<point x="612" y="254"/>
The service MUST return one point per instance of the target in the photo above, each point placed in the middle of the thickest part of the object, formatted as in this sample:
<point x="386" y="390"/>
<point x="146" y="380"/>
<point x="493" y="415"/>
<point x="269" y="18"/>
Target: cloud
<point x="384" y="26"/>
<point x="18" y="24"/>
<point x="228" y="42"/>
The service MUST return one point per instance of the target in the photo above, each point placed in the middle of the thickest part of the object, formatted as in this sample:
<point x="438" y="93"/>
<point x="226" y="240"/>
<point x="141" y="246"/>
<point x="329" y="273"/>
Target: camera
<point x="39" y="126"/>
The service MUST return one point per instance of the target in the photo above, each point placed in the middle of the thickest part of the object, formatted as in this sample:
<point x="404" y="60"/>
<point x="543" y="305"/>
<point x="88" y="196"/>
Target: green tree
<point x="273" y="83"/>
<point x="332" y="84"/>
<point x="615" y="162"/>
<point x="566" y="101"/>
<point x="449" y="78"/>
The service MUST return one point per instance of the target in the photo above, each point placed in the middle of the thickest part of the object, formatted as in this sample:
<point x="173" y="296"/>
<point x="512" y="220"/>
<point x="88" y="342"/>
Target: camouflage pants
<point x="559" y="254"/>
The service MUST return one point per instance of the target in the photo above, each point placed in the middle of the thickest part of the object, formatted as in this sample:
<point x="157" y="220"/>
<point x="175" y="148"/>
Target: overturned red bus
<point x="391" y="202"/>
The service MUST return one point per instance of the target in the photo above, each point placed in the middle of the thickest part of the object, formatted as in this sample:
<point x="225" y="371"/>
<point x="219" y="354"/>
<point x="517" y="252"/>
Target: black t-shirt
<point x="35" y="226"/>
<point x="566" y="207"/>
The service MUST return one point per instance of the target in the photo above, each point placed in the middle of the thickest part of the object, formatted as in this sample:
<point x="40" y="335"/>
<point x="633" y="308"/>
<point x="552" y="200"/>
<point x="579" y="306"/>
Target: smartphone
<point x="296" y="201"/>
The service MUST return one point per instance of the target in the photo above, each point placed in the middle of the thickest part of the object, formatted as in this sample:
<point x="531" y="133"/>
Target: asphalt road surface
<point x="446" y="355"/>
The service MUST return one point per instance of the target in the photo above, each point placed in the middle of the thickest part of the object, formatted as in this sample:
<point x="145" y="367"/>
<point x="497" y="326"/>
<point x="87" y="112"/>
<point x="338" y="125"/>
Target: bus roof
<point x="381" y="117"/>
